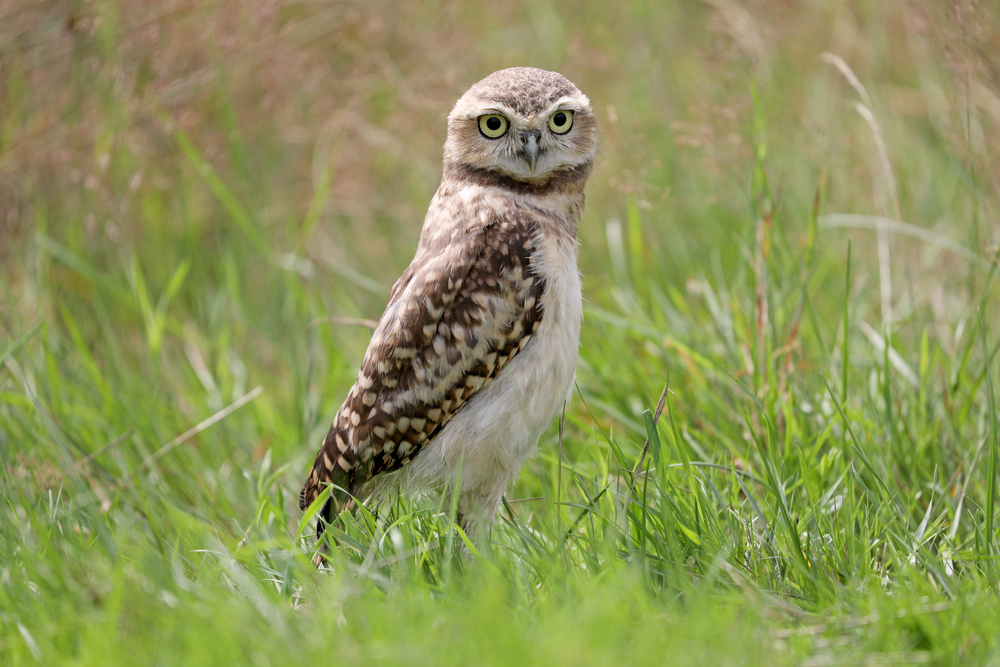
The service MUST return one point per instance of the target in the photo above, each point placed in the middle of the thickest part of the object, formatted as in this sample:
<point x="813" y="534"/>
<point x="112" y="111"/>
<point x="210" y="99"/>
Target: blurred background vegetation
<point x="198" y="200"/>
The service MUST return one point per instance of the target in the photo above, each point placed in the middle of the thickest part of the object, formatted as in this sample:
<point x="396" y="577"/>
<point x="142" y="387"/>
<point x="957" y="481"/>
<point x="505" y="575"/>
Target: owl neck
<point x="472" y="198"/>
<point x="562" y="182"/>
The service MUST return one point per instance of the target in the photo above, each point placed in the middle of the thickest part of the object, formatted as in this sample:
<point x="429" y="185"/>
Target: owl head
<point x="525" y="123"/>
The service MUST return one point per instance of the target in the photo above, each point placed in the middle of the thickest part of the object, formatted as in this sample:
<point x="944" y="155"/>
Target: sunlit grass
<point x="795" y="251"/>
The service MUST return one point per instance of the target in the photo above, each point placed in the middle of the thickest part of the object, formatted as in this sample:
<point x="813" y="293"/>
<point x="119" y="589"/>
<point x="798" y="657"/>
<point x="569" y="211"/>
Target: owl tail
<point x="319" y="478"/>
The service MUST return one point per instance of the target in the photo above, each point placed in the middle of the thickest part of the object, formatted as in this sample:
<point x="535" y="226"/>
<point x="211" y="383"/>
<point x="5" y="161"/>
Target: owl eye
<point x="561" y="122"/>
<point x="493" y="126"/>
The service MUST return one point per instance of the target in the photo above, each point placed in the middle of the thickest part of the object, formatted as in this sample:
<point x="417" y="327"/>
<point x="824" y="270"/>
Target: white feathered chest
<point x="498" y="428"/>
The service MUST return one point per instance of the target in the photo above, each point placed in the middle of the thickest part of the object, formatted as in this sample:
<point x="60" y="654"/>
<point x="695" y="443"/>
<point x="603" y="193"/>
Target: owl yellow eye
<point x="493" y="126"/>
<point x="561" y="122"/>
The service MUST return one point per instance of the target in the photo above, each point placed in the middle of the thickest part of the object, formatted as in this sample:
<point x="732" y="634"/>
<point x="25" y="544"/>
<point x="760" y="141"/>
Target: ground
<point x="792" y="226"/>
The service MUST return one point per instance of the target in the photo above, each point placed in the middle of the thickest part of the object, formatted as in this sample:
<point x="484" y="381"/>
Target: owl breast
<point x="546" y="368"/>
<point x="487" y="442"/>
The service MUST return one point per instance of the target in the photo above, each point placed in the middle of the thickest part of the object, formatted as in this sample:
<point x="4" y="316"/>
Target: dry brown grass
<point x="93" y="92"/>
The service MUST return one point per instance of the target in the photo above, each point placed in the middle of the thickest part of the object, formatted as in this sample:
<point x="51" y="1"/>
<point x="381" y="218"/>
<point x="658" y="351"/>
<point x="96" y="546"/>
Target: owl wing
<point x="455" y="318"/>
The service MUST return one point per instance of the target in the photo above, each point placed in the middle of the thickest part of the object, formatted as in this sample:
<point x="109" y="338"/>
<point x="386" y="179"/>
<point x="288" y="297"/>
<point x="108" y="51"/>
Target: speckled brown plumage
<point x="458" y="326"/>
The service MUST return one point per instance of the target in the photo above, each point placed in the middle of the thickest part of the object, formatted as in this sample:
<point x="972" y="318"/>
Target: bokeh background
<point x="283" y="99"/>
<point x="202" y="202"/>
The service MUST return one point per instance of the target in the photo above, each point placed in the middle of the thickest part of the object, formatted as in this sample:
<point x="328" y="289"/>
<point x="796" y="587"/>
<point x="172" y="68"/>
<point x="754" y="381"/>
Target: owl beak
<point x="531" y="148"/>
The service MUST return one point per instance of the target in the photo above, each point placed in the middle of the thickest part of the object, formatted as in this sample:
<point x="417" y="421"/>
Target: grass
<point x="200" y="207"/>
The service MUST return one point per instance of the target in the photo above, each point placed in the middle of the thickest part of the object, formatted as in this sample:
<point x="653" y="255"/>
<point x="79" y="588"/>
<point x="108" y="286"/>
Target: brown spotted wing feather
<point x="454" y="320"/>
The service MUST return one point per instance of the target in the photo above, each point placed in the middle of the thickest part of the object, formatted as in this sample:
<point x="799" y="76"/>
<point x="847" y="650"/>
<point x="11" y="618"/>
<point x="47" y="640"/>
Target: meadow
<point x="783" y="444"/>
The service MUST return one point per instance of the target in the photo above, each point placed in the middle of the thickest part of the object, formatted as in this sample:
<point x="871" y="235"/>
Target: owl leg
<point x="476" y="510"/>
<point x="473" y="520"/>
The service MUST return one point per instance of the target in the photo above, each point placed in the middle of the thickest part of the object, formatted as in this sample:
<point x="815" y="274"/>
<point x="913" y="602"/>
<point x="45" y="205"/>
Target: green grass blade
<point x="991" y="480"/>
<point x="21" y="340"/>
<point x="222" y="192"/>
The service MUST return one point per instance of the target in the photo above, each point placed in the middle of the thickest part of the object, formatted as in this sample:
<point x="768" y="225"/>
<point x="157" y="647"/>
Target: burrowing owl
<point x="476" y="351"/>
